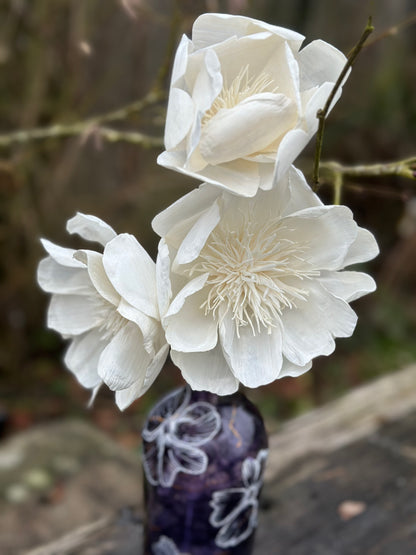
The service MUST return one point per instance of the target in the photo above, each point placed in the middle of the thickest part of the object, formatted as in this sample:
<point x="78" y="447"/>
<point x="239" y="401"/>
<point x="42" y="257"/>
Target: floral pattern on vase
<point x="210" y="449"/>
<point x="172" y="435"/>
<point x="165" y="546"/>
<point x="235" y="510"/>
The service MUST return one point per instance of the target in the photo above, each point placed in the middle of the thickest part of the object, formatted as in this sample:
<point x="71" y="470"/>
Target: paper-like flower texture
<point x="252" y="289"/>
<point x="172" y="435"/>
<point x="106" y="305"/>
<point x="243" y="101"/>
<point x="235" y="510"/>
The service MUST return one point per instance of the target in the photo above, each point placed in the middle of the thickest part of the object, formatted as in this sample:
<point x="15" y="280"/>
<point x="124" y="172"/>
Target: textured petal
<point x="95" y="268"/>
<point x="91" y="228"/>
<point x="125" y="397"/>
<point x="289" y="149"/>
<point x="210" y="29"/>
<point x="364" y="248"/>
<point x="190" y="329"/>
<point x="150" y="328"/>
<point x="319" y="62"/>
<point x="132" y="273"/>
<point x="75" y="314"/>
<point x="179" y="118"/>
<point x="61" y="255"/>
<point x="254" y="359"/>
<point x="55" y="278"/>
<point x="249" y="127"/>
<point x="184" y="211"/>
<point x="310" y="329"/>
<point x="290" y="370"/>
<point x="163" y="283"/>
<point x="82" y="358"/>
<point x="195" y="239"/>
<point x="208" y="83"/>
<point x="207" y="371"/>
<point x="124" y="359"/>
<point x="189" y="289"/>
<point x="347" y="285"/>
<point x="324" y="235"/>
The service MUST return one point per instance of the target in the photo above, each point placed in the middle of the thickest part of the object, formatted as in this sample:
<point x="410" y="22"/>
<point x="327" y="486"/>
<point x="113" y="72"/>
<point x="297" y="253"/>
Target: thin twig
<point x="85" y="126"/>
<point x="322" y="113"/>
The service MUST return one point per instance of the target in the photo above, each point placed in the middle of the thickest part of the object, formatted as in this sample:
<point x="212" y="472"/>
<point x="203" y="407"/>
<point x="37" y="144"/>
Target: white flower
<point x="106" y="305"/>
<point x="243" y="101"/>
<point x="251" y="289"/>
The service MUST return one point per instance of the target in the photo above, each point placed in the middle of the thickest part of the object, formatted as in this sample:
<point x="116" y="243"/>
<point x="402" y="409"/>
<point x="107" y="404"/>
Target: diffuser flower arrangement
<point x="249" y="284"/>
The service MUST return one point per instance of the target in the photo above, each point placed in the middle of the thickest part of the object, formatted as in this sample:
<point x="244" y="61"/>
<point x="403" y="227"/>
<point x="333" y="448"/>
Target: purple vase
<point x="203" y="460"/>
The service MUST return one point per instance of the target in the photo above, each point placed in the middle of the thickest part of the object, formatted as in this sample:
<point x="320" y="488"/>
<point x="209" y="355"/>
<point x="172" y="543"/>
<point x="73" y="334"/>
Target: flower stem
<point x="323" y="112"/>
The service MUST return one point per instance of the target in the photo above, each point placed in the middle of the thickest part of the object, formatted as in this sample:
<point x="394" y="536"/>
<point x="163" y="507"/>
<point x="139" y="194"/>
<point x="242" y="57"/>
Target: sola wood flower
<point x="106" y="305"/>
<point x="250" y="289"/>
<point x="243" y="101"/>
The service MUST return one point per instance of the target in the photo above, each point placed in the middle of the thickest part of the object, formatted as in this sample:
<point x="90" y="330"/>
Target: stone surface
<point x="341" y="481"/>
<point x="58" y="477"/>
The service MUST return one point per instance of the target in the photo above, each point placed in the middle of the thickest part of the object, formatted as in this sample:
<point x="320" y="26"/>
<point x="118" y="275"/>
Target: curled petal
<point x="91" y="228"/>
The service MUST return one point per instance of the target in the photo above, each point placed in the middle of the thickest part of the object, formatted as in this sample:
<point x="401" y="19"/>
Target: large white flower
<point x="243" y="101"/>
<point x="251" y="289"/>
<point x="106" y="305"/>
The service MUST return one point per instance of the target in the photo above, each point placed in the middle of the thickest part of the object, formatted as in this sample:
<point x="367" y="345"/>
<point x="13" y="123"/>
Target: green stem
<point x="322" y="113"/>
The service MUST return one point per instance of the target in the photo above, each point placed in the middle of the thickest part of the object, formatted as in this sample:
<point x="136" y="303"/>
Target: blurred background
<point x="67" y="61"/>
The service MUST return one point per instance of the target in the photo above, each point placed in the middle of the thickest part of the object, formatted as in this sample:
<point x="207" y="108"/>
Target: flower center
<point x="255" y="272"/>
<point x="243" y="86"/>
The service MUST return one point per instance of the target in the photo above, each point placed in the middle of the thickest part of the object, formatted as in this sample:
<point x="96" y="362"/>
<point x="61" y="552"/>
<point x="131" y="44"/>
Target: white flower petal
<point x="310" y="329"/>
<point x="364" y="248"/>
<point x="181" y="60"/>
<point x="190" y="330"/>
<point x="91" y="228"/>
<point x="189" y="289"/>
<point x="125" y="397"/>
<point x="249" y="127"/>
<point x="181" y="115"/>
<point x="348" y="286"/>
<point x="334" y="231"/>
<point x="210" y="29"/>
<point x="149" y="327"/>
<point x="132" y="273"/>
<point x="184" y="211"/>
<point x="290" y="370"/>
<point x="55" y="278"/>
<point x="75" y="314"/>
<point x="82" y="358"/>
<point x="95" y="268"/>
<point x="61" y="255"/>
<point x="254" y="359"/>
<point x="207" y="371"/>
<point x="208" y="83"/>
<point x="124" y="359"/>
<point x="289" y="149"/>
<point x="319" y="62"/>
<point x="195" y="239"/>
<point x="163" y="283"/>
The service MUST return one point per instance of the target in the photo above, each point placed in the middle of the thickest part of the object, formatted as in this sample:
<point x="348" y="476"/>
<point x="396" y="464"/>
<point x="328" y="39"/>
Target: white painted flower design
<point x="243" y="101"/>
<point x="165" y="546"/>
<point x="105" y="304"/>
<point x="235" y="510"/>
<point x="253" y="289"/>
<point x="173" y="433"/>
